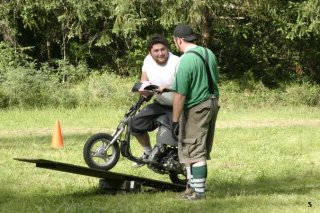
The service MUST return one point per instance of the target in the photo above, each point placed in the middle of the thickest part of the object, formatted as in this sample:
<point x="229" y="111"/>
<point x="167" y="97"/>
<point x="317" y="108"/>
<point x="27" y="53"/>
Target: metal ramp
<point x="109" y="181"/>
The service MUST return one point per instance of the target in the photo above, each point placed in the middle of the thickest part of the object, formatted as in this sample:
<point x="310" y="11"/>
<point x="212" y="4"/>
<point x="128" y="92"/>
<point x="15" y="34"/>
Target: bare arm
<point x="144" y="76"/>
<point x="178" y="103"/>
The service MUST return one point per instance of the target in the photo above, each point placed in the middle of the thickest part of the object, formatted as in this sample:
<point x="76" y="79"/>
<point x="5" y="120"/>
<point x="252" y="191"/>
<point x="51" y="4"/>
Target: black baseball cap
<point x="184" y="31"/>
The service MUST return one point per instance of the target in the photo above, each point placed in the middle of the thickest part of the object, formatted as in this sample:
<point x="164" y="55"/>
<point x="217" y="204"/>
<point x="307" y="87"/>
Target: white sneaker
<point x="138" y="165"/>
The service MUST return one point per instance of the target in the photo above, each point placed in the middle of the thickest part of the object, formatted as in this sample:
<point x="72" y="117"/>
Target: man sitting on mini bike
<point x="158" y="69"/>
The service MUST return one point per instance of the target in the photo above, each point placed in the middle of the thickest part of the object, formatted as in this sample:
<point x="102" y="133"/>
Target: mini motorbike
<point x="102" y="150"/>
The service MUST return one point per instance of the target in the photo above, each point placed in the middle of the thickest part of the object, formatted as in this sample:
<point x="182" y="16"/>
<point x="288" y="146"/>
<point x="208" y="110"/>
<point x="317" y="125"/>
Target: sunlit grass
<point x="274" y="167"/>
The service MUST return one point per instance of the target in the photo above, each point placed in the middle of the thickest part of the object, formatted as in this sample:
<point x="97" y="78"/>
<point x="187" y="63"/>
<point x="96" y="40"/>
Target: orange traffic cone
<point x="57" y="139"/>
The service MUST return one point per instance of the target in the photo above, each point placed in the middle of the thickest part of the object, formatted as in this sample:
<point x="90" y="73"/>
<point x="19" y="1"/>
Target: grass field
<point x="264" y="160"/>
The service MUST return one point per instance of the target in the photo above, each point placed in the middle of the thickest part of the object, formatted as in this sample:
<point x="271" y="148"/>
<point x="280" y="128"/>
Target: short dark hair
<point x="157" y="39"/>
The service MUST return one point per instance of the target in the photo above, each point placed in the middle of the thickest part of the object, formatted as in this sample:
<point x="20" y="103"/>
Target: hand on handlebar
<point x="151" y="89"/>
<point x="163" y="88"/>
<point x="145" y="93"/>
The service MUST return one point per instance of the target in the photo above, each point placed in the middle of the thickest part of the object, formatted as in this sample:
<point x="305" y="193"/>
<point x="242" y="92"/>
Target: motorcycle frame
<point x="125" y="126"/>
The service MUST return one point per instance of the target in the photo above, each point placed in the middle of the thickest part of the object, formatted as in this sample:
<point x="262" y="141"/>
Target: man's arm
<point x="178" y="103"/>
<point x="144" y="76"/>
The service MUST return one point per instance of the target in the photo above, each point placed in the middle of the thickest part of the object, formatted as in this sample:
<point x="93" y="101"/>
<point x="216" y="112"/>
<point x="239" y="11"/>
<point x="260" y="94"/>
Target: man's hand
<point x="145" y="94"/>
<point x="162" y="88"/>
<point x="175" y="130"/>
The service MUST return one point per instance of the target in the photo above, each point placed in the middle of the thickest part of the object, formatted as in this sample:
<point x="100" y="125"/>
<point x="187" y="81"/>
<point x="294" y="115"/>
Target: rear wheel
<point x="99" y="154"/>
<point x="178" y="178"/>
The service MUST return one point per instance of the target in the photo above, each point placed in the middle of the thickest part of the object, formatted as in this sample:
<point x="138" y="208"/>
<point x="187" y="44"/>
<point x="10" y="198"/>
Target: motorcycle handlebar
<point x="155" y="89"/>
<point x="168" y="90"/>
<point x="150" y="88"/>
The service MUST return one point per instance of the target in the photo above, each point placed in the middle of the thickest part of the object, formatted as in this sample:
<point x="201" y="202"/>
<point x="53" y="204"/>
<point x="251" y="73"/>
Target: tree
<point x="270" y="40"/>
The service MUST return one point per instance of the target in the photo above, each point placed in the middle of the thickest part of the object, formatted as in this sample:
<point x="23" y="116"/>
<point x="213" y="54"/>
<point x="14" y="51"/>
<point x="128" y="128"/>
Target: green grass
<point x="264" y="160"/>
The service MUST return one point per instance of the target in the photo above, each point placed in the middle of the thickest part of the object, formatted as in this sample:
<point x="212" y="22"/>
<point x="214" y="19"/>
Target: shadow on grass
<point x="301" y="183"/>
<point x="287" y="184"/>
<point x="14" y="142"/>
<point x="94" y="200"/>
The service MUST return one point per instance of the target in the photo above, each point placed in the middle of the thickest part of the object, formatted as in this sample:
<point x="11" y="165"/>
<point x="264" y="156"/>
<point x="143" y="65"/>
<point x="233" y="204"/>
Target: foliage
<point x="71" y="87"/>
<point x="275" y="40"/>
<point x="63" y="44"/>
<point x="105" y="90"/>
<point x="25" y="87"/>
<point x="25" y="84"/>
<point x="299" y="24"/>
<point x="246" y="94"/>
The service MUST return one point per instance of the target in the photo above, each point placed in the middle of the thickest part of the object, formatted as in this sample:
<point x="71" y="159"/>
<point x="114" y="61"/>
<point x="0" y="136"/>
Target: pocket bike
<point x="102" y="150"/>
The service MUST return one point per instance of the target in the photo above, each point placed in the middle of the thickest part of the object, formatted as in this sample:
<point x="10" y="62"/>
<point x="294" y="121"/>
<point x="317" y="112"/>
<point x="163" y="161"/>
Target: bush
<point x="62" y="84"/>
<point x="25" y="87"/>
<point x="302" y="94"/>
<point x="105" y="89"/>
<point x="233" y="94"/>
<point x="4" y="99"/>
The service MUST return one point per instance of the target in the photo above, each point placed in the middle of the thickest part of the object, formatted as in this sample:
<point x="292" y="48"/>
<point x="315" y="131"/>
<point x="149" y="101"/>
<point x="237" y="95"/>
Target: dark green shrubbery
<point x="25" y="85"/>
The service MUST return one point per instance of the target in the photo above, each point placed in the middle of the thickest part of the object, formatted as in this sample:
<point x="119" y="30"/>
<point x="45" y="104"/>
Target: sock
<point x="199" y="174"/>
<point x="147" y="150"/>
<point x="192" y="183"/>
<point x="189" y="177"/>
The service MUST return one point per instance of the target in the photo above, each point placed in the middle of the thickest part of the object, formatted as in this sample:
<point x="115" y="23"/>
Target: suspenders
<point x="205" y="61"/>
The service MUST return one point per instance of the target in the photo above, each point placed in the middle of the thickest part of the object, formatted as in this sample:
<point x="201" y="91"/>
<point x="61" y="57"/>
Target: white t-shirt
<point x="161" y="75"/>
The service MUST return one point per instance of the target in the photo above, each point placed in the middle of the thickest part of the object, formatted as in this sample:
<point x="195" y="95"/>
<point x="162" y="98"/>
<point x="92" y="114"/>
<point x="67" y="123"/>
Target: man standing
<point x="195" y="103"/>
<point x="158" y="69"/>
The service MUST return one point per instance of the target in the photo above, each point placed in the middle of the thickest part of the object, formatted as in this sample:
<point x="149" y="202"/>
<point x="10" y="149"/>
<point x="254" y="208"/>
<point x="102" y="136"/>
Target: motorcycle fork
<point x="115" y="137"/>
<point x="125" y="144"/>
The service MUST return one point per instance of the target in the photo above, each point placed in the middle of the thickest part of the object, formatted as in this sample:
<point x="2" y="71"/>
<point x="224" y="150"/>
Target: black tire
<point x="97" y="158"/>
<point x="178" y="178"/>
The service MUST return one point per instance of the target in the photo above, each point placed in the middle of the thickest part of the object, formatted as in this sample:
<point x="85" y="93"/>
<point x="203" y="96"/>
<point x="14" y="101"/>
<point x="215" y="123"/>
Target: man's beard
<point x="163" y="61"/>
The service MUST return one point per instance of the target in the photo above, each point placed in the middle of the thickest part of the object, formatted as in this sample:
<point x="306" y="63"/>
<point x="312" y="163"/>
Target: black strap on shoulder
<point x="205" y="61"/>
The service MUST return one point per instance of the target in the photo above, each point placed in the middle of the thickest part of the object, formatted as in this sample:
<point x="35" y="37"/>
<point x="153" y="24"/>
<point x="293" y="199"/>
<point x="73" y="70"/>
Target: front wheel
<point x="99" y="154"/>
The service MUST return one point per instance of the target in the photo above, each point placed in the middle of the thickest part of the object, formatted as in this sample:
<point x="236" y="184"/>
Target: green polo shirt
<point x="191" y="77"/>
